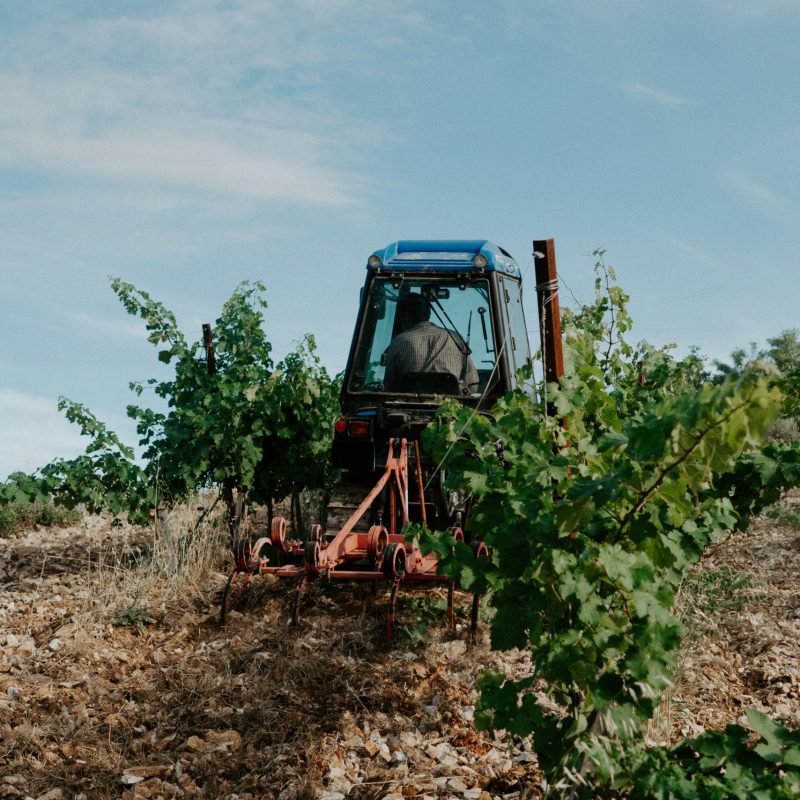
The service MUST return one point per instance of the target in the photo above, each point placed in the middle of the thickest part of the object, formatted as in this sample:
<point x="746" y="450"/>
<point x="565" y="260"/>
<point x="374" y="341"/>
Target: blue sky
<point x="186" y="146"/>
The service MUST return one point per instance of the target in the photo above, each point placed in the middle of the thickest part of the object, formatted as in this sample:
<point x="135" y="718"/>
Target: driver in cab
<point x="422" y="347"/>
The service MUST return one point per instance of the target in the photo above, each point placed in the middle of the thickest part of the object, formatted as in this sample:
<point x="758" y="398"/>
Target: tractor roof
<point x="442" y="255"/>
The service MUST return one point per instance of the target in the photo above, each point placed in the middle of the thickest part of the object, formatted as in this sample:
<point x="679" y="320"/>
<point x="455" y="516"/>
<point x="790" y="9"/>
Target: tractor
<point x="437" y="320"/>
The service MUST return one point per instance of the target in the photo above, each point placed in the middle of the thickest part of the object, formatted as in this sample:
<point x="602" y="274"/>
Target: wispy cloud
<point x="222" y="100"/>
<point x="696" y="254"/>
<point x="652" y="95"/>
<point x="755" y="192"/>
<point x="33" y="432"/>
<point x="51" y="124"/>
<point x="124" y="327"/>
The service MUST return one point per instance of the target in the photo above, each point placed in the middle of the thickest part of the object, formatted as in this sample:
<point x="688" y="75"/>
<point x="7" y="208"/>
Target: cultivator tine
<point x="233" y="592"/>
<point x="239" y="579"/>
<point x="298" y="596"/>
<point x="451" y="611"/>
<point x="392" y="604"/>
<point x="394" y="568"/>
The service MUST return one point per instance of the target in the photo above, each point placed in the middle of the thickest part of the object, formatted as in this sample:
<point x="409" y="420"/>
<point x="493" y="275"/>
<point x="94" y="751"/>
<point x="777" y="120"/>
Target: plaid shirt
<point x="425" y="347"/>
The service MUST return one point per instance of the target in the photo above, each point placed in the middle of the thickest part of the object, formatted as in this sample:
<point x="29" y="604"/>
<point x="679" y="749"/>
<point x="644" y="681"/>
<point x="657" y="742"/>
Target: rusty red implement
<point x="380" y="553"/>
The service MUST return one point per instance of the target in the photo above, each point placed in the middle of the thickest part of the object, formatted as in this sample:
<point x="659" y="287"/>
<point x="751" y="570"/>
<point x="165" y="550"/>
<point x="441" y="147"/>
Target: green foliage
<point x="722" y="764"/>
<point x="133" y="615"/>
<point x="781" y="359"/>
<point x="784" y="350"/>
<point x="784" y="516"/>
<point x="760" y="478"/>
<point x="19" y="516"/>
<point x="593" y="525"/>
<point x="104" y="477"/>
<point x="252" y="429"/>
<point x="418" y="615"/>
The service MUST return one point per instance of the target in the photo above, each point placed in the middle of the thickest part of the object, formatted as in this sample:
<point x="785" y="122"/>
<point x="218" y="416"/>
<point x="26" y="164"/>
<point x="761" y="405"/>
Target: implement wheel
<point x="394" y="562"/>
<point x="377" y="540"/>
<point x="311" y="553"/>
<point x="314" y="533"/>
<point x="278" y="534"/>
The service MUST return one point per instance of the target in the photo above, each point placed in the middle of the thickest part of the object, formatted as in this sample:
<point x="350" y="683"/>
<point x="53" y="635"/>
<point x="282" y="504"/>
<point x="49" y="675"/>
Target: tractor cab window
<point x="520" y="349"/>
<point x="425" y="336"/>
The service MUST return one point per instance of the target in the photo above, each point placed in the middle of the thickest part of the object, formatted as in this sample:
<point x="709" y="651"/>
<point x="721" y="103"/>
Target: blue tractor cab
<point x="469" y="346"/>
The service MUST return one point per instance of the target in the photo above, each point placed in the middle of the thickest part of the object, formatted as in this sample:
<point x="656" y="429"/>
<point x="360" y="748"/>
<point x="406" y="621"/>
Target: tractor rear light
<point x="374" y="262"/>
<point x="480" y="261"/>
<point x="340" y="426"/>
<point x="359" y="427"/>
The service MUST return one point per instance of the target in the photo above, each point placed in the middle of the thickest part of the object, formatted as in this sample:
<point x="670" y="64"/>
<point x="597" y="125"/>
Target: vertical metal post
<point x="211" y="362"/>
<point x="544" y="253"/>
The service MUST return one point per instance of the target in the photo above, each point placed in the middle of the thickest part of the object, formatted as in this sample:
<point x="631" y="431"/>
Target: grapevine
<point x="594" y="517"/>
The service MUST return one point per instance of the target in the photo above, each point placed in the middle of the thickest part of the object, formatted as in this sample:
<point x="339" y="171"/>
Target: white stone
<point x="55" y="645"/>
<point x="354" y="743"/>
<point x="335" y="772"/>
<point x="456" y="785"/>
<point x="340" y="784"/>
<point x="384" y="753"/>
<point x="454" y="650"/>
<point x="410" y="738"/>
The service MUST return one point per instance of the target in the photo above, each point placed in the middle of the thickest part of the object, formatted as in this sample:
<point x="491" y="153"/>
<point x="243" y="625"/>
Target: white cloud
<point x="212" y="99"/>
<point x="48" y="124"/>
<point x="753" y="191"/>
<point x="33" y="432"/>
<point x="652" y="95"/>
<point x="123" y="327"/>
<point x="693" y="253"/>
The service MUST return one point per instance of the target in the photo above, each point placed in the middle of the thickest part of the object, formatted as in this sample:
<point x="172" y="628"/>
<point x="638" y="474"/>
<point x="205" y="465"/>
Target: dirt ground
<point x="118" y="681"/>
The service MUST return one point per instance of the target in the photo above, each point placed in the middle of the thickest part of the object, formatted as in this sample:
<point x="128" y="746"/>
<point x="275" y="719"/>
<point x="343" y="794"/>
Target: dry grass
<point x="145" y="574"/>
<point x="785" y="429"/>
<point x="250" y="709"/>
<point x="149" y="677"/>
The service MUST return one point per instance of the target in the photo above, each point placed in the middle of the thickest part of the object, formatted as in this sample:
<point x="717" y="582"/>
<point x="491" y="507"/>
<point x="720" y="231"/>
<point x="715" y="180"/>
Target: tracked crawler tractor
<point x="436" y="319"/>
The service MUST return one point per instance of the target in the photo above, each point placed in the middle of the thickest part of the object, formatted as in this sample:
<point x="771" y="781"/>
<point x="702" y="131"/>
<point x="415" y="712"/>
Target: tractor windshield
<point x="425" y="336"/>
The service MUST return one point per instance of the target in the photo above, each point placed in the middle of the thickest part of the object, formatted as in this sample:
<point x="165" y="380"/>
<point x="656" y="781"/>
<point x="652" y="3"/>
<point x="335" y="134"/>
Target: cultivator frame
<point x="379" y="554"/>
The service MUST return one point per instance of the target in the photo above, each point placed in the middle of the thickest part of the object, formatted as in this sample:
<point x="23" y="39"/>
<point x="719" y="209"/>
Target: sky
<point x="187" y="146"/>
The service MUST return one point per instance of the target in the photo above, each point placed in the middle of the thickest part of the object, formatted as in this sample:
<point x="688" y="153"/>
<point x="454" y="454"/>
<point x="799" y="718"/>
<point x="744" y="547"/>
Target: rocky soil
<point x="116" y="679"/>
